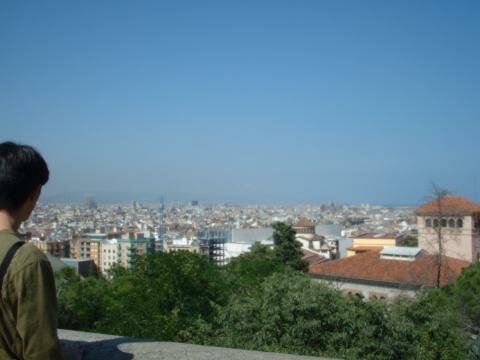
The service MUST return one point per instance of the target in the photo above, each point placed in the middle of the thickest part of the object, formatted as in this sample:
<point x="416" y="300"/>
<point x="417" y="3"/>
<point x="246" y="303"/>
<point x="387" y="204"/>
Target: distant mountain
<point x="102" y="197"/>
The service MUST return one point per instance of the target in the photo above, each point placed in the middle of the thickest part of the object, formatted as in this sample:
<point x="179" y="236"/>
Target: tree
<point x="287" y="249"/>
<point x="410" y="241"/>
<point x="435" y="326"/>
<point x="438" y="220"/>
<point x="466" y="291"/>
<point x="81" y="302"/>
<point x="165" y="294"/>
<point x="290" y="313"/>
<point x="247" y="271"/>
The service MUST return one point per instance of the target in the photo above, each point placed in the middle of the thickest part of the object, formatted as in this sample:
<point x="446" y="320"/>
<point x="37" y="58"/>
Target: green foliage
<point x="165" y="294"/>
<point x="260" y="302"/>
<point x="81" y="303"/>
<point x="410" y="241"/>
<point x="466" y="292"/>
<point x="434" y="326"/>
<point x="293" y="314"/>
<point x="287" y="249"/>
<point x="249" y="270"/>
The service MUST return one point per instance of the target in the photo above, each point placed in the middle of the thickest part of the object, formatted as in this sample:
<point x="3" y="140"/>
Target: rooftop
<point x="372" y="267"/>
<point x="449" y="205"/>
<point x="312" y="257"/>
<point x="302" y="223"/>
<point x="400" y="252"/>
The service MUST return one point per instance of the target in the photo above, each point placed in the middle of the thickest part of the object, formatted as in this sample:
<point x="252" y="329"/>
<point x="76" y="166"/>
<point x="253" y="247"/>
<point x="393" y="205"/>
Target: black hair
<point x="22" y="171"/>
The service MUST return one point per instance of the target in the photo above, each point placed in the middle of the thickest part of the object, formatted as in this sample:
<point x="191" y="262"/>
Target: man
<point x="28" y="321"/>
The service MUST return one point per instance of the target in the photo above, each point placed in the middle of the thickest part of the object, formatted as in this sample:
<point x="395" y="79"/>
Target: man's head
<point x="23" y="172"/>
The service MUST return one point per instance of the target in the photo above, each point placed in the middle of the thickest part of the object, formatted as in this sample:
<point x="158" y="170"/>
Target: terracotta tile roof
<point x="369" y="266"/>
<point x="450" y="205"/>
<point x="318" y="237"/>
<point x="303" y="222"/>
<point x="312" y="257"/>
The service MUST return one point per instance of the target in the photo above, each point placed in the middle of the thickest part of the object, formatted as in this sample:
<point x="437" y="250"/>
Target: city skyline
<point x="266" y="101"/>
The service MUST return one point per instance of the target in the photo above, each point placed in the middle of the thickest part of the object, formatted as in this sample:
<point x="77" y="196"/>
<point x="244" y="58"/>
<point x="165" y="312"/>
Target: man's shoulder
<point x="25" y="262"/>
<point x="27" y="255"/>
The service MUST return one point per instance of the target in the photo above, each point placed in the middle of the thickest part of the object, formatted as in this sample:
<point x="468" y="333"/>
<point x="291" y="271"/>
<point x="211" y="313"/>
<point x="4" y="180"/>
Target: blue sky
<point x="246" y="101"/>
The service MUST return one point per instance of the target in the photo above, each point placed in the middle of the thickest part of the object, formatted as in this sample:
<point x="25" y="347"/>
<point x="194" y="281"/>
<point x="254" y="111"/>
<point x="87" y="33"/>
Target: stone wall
<point x="99" y="346"/>
<point x="367" y="291"/>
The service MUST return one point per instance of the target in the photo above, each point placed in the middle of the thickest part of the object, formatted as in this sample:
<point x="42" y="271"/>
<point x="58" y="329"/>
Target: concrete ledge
<point x="99" y="346"/>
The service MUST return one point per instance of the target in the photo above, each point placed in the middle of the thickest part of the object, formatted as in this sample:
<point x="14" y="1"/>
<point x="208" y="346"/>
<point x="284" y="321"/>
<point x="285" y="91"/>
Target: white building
<point x="109" y="255"/>
<point x="305" y="233"/>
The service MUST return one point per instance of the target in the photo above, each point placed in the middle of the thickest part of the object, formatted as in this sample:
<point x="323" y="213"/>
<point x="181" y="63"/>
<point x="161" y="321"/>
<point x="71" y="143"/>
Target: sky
<point x="245" y="101"/>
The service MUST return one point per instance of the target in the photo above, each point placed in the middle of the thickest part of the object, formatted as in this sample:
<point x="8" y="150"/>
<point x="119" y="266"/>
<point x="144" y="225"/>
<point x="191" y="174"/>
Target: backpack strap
<point x="7" y="259"/>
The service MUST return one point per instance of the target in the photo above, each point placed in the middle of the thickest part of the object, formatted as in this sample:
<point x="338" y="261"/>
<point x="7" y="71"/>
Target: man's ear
<point x="35" y="194"/>
<point x="31" y="201"/>
<point x="23" y="213"/>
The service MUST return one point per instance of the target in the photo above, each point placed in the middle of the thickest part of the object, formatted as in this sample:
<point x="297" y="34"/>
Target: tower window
<point x="451" y="223"/>
<point x="428" y="223"/>
<point x="459" y="223"/>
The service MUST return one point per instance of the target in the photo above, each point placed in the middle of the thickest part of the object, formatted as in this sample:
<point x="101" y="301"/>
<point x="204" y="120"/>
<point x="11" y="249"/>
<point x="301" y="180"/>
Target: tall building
<point x="87" y="247"/>
<point x="109" y="255"/>
<point x="160" y="243"/>
<point x="131" y="246"/>
<point x="90" y="203"/>
<point x="107" y="250"/>
<point x="457" y="219"/>
<point x="212" y="244"/>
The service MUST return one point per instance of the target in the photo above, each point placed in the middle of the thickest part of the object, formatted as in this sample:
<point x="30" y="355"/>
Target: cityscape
<point x="93" y="239"/>
<point x="54" y="227"/>
<point x="244" y="179"/>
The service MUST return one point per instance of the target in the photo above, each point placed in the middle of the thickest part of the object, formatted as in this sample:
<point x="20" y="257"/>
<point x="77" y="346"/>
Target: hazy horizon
<point x="118" y="198"/>
<point x="249" y="102"/>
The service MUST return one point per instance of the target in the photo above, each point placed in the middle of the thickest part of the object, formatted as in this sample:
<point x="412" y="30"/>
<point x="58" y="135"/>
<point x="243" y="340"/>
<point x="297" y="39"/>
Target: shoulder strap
<point x="7" y="259"/>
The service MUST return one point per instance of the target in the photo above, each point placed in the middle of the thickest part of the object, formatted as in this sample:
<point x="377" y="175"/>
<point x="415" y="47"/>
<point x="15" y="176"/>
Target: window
<point x="451" y="223"/>
<point x="435" y="223"/>
<point x="459" y="223"/>
<point x="443" y="222"/>
<point x="428" y="223"/>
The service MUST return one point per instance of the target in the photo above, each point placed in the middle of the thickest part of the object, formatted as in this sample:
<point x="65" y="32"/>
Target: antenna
<point x="161" y="226"/>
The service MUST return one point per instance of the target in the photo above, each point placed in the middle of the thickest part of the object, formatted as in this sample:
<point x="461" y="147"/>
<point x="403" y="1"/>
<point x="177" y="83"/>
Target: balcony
<point x="99" y="346"/>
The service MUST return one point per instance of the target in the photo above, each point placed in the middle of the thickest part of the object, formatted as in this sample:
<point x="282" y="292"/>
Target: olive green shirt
<point x="28" y="304"/>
